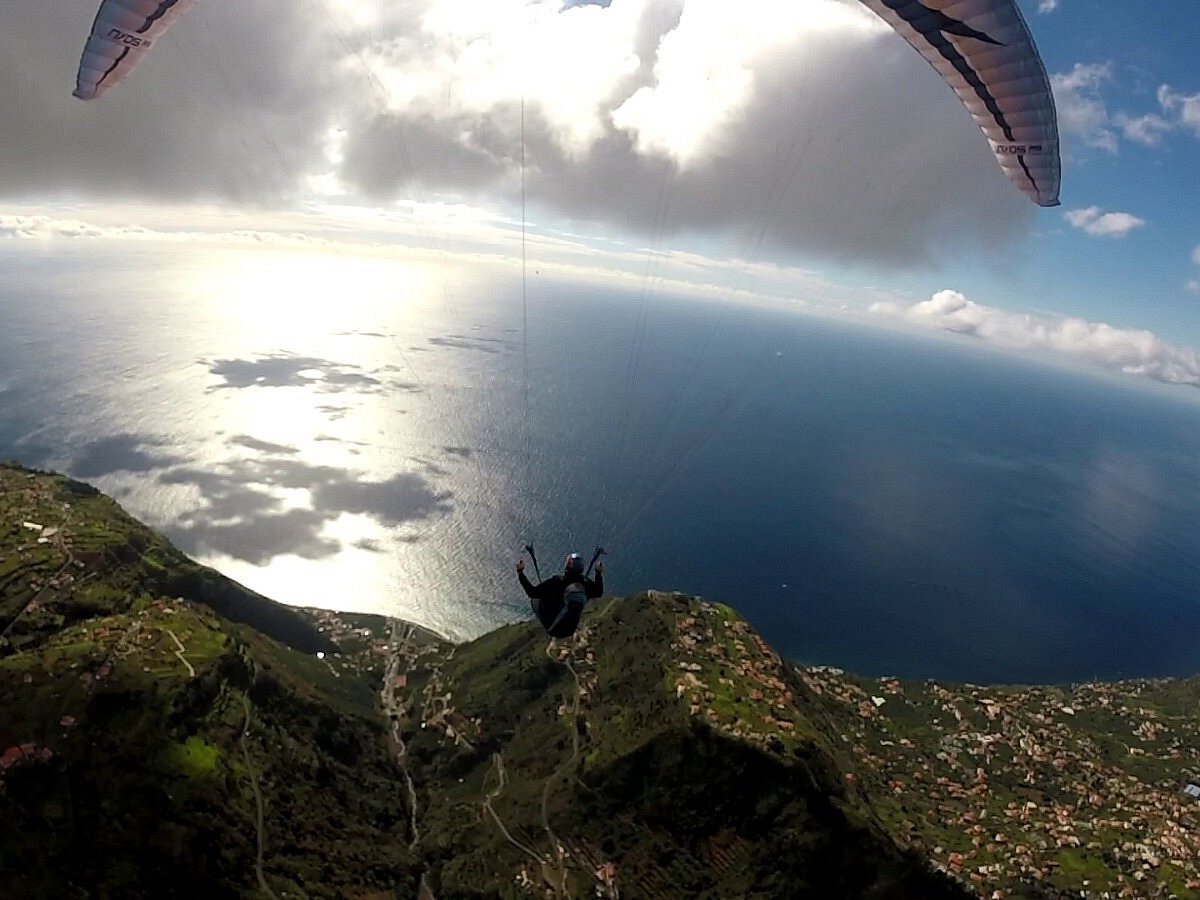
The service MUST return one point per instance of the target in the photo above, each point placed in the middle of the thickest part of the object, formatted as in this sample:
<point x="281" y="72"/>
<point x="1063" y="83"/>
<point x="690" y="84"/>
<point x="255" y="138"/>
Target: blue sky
<point x="1139" y="280"/>
<point x="800" y="151"/>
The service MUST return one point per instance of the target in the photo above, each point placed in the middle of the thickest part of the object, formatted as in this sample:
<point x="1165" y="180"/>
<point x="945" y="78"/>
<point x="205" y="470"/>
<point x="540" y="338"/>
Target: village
<point x="733" y="679"/>
<point x="1011" y="786"/>
<point x="1003" y="788"/>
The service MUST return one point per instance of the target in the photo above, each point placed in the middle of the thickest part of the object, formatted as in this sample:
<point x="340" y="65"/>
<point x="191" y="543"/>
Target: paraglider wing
<point x="983" y="48"/>
<point x="123" y="32"/>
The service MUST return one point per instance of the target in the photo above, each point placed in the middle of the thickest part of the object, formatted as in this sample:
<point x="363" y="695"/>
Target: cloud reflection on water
<point x="479" y="345"/>
<point x="270" y="504"/>
<point x="121" y="453"/>
<point x="243" y="514"/>
<point x="244" y="440"/>
<point x="293" y="370"/>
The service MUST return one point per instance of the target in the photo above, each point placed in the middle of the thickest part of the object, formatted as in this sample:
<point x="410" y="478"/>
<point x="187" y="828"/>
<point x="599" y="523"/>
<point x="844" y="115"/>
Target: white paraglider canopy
<point x="124" y="30"/>
<point x="983" y="48"/>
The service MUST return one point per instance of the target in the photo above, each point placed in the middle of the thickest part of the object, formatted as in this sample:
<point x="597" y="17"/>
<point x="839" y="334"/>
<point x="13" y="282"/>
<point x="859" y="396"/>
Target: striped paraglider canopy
<point x="983" y="48"/>
<point x="122" y="33"/>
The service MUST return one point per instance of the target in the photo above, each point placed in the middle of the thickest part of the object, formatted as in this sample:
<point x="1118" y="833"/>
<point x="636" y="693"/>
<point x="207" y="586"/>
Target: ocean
<point x="368" y="435"/>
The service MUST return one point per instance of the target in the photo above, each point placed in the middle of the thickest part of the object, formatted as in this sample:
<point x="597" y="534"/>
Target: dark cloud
<point x="233" y="103"/>
<point x="846" y="173"/>
<point x="385" y="155"/>
<point x="852" y="148"/>
<point x="849" y="146"/>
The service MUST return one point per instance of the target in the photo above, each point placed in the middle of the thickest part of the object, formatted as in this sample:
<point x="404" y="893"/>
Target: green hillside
<point x="166" y="733"/>
<point x="603" y="764"/>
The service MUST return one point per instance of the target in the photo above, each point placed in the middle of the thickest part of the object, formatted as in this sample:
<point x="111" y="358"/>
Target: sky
<point x="770" y="148"/>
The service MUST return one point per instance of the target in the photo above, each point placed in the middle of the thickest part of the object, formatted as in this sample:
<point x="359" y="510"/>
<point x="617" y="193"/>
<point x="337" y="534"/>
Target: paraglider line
<point x="533" y="557"/>
<point x="780" y="180"/>
<point x="661" y="213"/>
<point x="524" y="279"/>
<point x="600" y="551"/>
<point x="719" y="421"/>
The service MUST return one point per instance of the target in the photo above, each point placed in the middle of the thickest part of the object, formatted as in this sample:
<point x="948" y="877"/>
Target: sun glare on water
<point x="322" y="389"/>
<point x="293" y="295"/>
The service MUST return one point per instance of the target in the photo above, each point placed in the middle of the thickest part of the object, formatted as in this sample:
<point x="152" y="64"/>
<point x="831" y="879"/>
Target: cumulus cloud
<point x="1184" y="107"/>
<point x="1176" y="113"/>
<point x="1045" y="6"/>
<point x="1097" y="223"/>
<point x="1133" y="351"/>
<point x="1084" y="113"/>
<point x="787" y="126"/>
<point x="1147" y="130"/>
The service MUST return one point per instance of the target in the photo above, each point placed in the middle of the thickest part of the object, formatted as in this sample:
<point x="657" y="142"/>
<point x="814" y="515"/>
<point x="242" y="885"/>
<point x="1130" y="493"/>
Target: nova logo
<point x="1018" y="149"/>
<point x="129" y="40"/>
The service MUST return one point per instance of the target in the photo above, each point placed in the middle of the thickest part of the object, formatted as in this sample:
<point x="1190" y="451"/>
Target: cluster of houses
<point x="1006" y="787"/>
<point x="23" y="753"/>
<point x="730" y="676"/>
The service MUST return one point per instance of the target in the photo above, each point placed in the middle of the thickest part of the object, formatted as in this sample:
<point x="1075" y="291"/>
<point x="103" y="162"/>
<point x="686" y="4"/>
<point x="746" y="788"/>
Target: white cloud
<point x="1177" y="112"/>
<point x="1133" y="351"/>
<point x="1084" y="114"/>
<point x="1186" y="107"/>
<point x="1193" y="286"/>
<point x="787" y="126"/>
<point x="1045" y="6"/>
<point x="1147" y="130"/>
<point x="1081" y="109"/>
<point x="479" y="58"/>
<point x="1103" y="224"/>
<point x="707" y="68"/>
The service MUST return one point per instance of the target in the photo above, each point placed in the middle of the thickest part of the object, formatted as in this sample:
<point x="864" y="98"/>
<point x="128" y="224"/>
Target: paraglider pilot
<point x="559" y="600"/>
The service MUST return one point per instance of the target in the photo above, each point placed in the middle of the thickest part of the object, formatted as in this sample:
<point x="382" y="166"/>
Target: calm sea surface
<point x="367" y="435"/>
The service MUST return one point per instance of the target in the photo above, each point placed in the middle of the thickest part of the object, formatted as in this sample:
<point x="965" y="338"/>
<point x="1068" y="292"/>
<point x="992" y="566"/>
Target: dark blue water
<point x="888" y="504"/>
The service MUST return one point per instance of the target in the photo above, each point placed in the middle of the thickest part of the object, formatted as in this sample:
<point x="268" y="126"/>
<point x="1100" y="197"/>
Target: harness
<point x="572" y="593"/>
